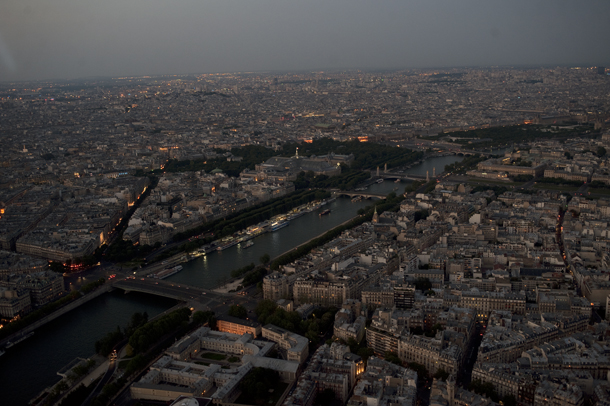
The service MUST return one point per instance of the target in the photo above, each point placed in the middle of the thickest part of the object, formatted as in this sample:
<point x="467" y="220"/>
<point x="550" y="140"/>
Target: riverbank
<point x="57" y="313"/>
<point x="228" y="287"/>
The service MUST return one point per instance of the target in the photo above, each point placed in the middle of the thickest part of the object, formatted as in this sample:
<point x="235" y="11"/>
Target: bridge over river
<point x="362" y="194"/>
<point x="398" y="175"/>
<point x="210" y="299"/>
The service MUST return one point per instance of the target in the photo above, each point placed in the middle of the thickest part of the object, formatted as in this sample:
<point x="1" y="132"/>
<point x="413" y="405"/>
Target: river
<point x="29" y="367"/>
<point x="32" y="365"/>
<point x="210" y="270"/>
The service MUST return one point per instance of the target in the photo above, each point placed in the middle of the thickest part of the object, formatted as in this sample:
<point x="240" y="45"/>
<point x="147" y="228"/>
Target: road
<point x="203" y="299"/>
<point x="105" y="379"/>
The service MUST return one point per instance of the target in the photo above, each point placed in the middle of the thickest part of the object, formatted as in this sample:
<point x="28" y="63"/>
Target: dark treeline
<point x="495" y="136"/>
<point x="150" y="338"/>
<point x="148" y="334"/>
<point x="256" y="384"/>
<point x="560" y="181"/>
<point x="348" y="179"/>
<point x="368" y="155"/>
<point x="243" y="219"/>
<point x="268" y="312"/>
<point x="464" y="165"/>
<point x="236" y="273"/>
<point x="105" y="345"/>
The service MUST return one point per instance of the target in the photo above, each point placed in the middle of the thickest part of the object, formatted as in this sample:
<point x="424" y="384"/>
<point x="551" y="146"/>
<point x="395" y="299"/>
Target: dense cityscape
<point x="481" y="280"/>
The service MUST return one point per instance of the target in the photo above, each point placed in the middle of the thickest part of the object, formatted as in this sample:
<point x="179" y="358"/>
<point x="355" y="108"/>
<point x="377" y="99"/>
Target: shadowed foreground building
<point x="177" y="374"/>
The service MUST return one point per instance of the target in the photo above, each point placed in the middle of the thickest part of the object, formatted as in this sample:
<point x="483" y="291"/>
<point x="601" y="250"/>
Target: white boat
<point x="279" y="224"/>
<point x="379" y="180"/>
<point x="167" y="272"/>
<point x="228" y="244"/>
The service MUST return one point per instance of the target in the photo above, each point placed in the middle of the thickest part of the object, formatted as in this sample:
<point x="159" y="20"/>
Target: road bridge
<point x="182" y="292"/>
<point x="362" y="194"/>
<point x="172" y="290"/>
<point x="401" y="176"/>
<point x="394" y="175"/>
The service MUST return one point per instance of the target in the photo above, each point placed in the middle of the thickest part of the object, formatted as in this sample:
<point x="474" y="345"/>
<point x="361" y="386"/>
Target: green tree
<point x="423" y="284"/>
<point x="441" y="374"/>
<point x="105" y="345"/>
<point x="420" y="215"/>
<point x="201" y="317"/>
<point x="601" y="151"/>
<point x="265" y="259"/>
<point x="392" y="357"/>
<point x="256" y="384"/>
<point x="238" y="311"/>
<point x="422" y="371"/>
<point x="353" y="345"/>
<point x="488" y="389"/>
<point x="365" y="353"/>
<point x="264" y="308"/>
<point x="135" y="364"/>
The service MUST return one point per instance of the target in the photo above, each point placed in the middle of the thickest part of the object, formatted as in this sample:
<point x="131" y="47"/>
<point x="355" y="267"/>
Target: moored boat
<point x="228" y="244"/>
<point x="278" y="224"/>
<point x="166" y="273"/>
<point x="20" y="339"/>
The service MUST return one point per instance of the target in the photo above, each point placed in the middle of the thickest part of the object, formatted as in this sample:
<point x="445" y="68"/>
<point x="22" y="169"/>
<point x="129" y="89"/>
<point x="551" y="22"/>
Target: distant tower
<point x="427" y="177"/>
<point x="377" y="171"/>
<point x="375" y="216"/>
<point x="297" y="153"/>
<point x="385" y="168"/>
<point x="434" y="172"/>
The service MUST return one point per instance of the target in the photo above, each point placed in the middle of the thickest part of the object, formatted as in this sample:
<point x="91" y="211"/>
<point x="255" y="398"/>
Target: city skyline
<point x="70" y="40"/>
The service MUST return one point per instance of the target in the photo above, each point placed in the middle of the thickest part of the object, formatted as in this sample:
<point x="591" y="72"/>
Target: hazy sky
<point x="47" y="39"/>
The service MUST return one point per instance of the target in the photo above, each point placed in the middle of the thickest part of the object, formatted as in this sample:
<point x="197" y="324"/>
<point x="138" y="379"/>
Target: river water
<point x="31" y="366"/>
<point x="210" y="270"/>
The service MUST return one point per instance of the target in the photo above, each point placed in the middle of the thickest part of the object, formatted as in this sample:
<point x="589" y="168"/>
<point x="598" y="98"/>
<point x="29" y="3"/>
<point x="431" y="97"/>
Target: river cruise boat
<point x="278" y="224"/>
<point x="167" y="272"/>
